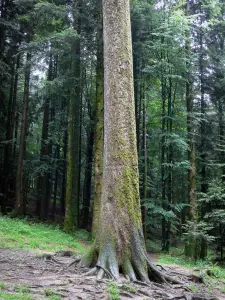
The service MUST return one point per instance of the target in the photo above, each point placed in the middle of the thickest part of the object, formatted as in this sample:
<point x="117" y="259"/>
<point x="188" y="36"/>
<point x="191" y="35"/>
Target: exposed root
<point x="106" y="272"/>
<point x="133" y="270"/>
<point x="142" y="283"/>
<point x="100" y="275"/>
<point x="128" y="270"/>
<point x="134" y="262"/>
<point x="92" y="272"/>
<point x="163" y="277"/>
<point x="161" y="267"/>
<point x="77" y="260"/>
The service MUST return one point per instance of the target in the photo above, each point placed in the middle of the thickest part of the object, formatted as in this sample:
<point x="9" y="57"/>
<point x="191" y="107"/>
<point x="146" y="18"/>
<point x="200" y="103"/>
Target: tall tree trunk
<point x="120" y="241"/>
<point x="163" y="154"/>
<point x="195" y="246"/>
<point x="145" y="170"/>
<point x="204" y="185"/>
<point x="222" y="136"/>
<point x="20" y="205"/>
<point x="99" y="126"/>
<point x="63" y="190"/>
<point x="169" y="167"/>
<point x="57" y="155"/>
<point x="88" y="175"/>
<point x="44" y="188"/>
<point x="72" y="180"/>
<point x="192" y="196"/>
<point x="8" y="180"/>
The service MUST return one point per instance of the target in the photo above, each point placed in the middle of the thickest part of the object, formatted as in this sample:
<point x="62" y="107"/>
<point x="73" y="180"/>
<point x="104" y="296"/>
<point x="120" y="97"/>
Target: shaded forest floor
<point x="41" y="272"/>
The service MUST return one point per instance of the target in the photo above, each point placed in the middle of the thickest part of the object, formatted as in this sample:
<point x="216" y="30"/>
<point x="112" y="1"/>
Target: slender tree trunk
<point x="7" y="148"/>
<point x="163" y="153"/>
<point x="192" y="197"/>
<point x="203" y="115"/>
<point x="195" y="246"/>
<point x="63" y="190"/>
<point x="20" y="205"/>
<point x="169" y="168"/>
<point x="44" y="188"/>
<point x="57" y="155"/>
<point x="8" y="180"/>
<point x="88" y="176"/>
<point x="99" y="125"/>
<point x="222" y="136"/>
<point x="145" y="170"/>
<point x="72" y="181"/>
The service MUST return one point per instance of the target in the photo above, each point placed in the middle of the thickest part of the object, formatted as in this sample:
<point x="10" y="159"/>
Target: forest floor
<point x="40" y="270"/>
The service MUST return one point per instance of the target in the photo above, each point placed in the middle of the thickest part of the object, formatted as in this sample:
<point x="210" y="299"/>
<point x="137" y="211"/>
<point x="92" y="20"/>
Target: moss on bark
<point x="99" y="125"/>
<point x="119" y="244"/>
<point x="73" y="165"/>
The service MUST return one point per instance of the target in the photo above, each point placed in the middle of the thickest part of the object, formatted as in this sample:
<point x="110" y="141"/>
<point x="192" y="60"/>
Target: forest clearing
<point x="35" y="264"/>
<point x="112" y="149"/>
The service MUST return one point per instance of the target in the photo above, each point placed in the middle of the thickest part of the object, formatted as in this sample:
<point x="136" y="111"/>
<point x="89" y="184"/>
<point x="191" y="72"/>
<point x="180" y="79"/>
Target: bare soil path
<point x="48" y="274"/>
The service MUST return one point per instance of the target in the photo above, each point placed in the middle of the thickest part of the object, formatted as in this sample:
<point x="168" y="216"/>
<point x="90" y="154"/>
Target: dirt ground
<point x="49" y="274"/>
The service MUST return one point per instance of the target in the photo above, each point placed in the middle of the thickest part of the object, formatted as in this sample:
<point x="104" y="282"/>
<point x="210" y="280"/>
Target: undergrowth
<point x="216" y="271"/>
<point x="17" y="296"/>
<point x="19" y="233"/>
<point x="113" y="291"/>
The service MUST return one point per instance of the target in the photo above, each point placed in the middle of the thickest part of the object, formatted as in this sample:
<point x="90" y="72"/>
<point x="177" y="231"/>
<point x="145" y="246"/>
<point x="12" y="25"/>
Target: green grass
<point x="129" y="288"/>
<point x="216" y="271"/>
<point x="17" y="296"/>
<point x="113" y="291"/>
<point x="22" y="288"/>
<point x="54" y="297"/>
<point x="17" y="233"/>
<point x="2" y="285"/>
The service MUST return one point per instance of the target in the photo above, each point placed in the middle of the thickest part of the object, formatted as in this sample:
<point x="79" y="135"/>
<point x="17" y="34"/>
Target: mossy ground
<point x="27" y="235"/>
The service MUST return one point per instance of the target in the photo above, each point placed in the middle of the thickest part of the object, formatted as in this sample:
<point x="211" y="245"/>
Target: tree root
<point x="77" y="260"/>
<point x="133" y="262"/>
<point x="107" y="266"/>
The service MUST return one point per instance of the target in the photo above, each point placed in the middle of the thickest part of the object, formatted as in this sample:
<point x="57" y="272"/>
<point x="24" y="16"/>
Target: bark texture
<point x="119" y="244"/>
<point x="20" y="205"/>
<point x="72" y="176"/>
<point x="99" y="126"/>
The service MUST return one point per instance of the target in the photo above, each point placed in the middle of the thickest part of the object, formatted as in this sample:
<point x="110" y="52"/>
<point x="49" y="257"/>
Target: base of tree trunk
<point x="133" y="263"/>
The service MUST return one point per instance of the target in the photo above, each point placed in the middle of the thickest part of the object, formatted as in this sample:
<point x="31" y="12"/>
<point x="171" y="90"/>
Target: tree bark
<point x="99" y="126"/>
<point x="145" y="170"/>
<point x="72" y="180"/>
<point x="192" y="196"/>
<point x="88" y="176"/>
<point x="163" y="154"/>
<point x="120" y="242"/>
<point x="44" y="188"/>
<point x="20" y="205"/>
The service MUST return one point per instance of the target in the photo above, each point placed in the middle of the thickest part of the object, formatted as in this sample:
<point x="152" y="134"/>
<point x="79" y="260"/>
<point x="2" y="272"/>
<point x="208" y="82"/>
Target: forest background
<point x="51" y="115"/>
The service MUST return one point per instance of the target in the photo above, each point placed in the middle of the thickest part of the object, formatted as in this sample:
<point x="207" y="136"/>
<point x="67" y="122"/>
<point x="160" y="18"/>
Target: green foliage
<point x="3" y="285"/>
<point x="48" y="292"/>
<point x="113" y="291"/>
<point x="27" y="235"/>
<point x="215" y="198"/>
<point x="180" y="260"/>
<point x="51" y="294"/>
<point x="129" y="288"/>
<point x="22" y="288"/>
<point x="193" y="288"/>
<point x="54" y="297"/>
<point x="197" y="230"/>
<point x="10" y="296"/>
